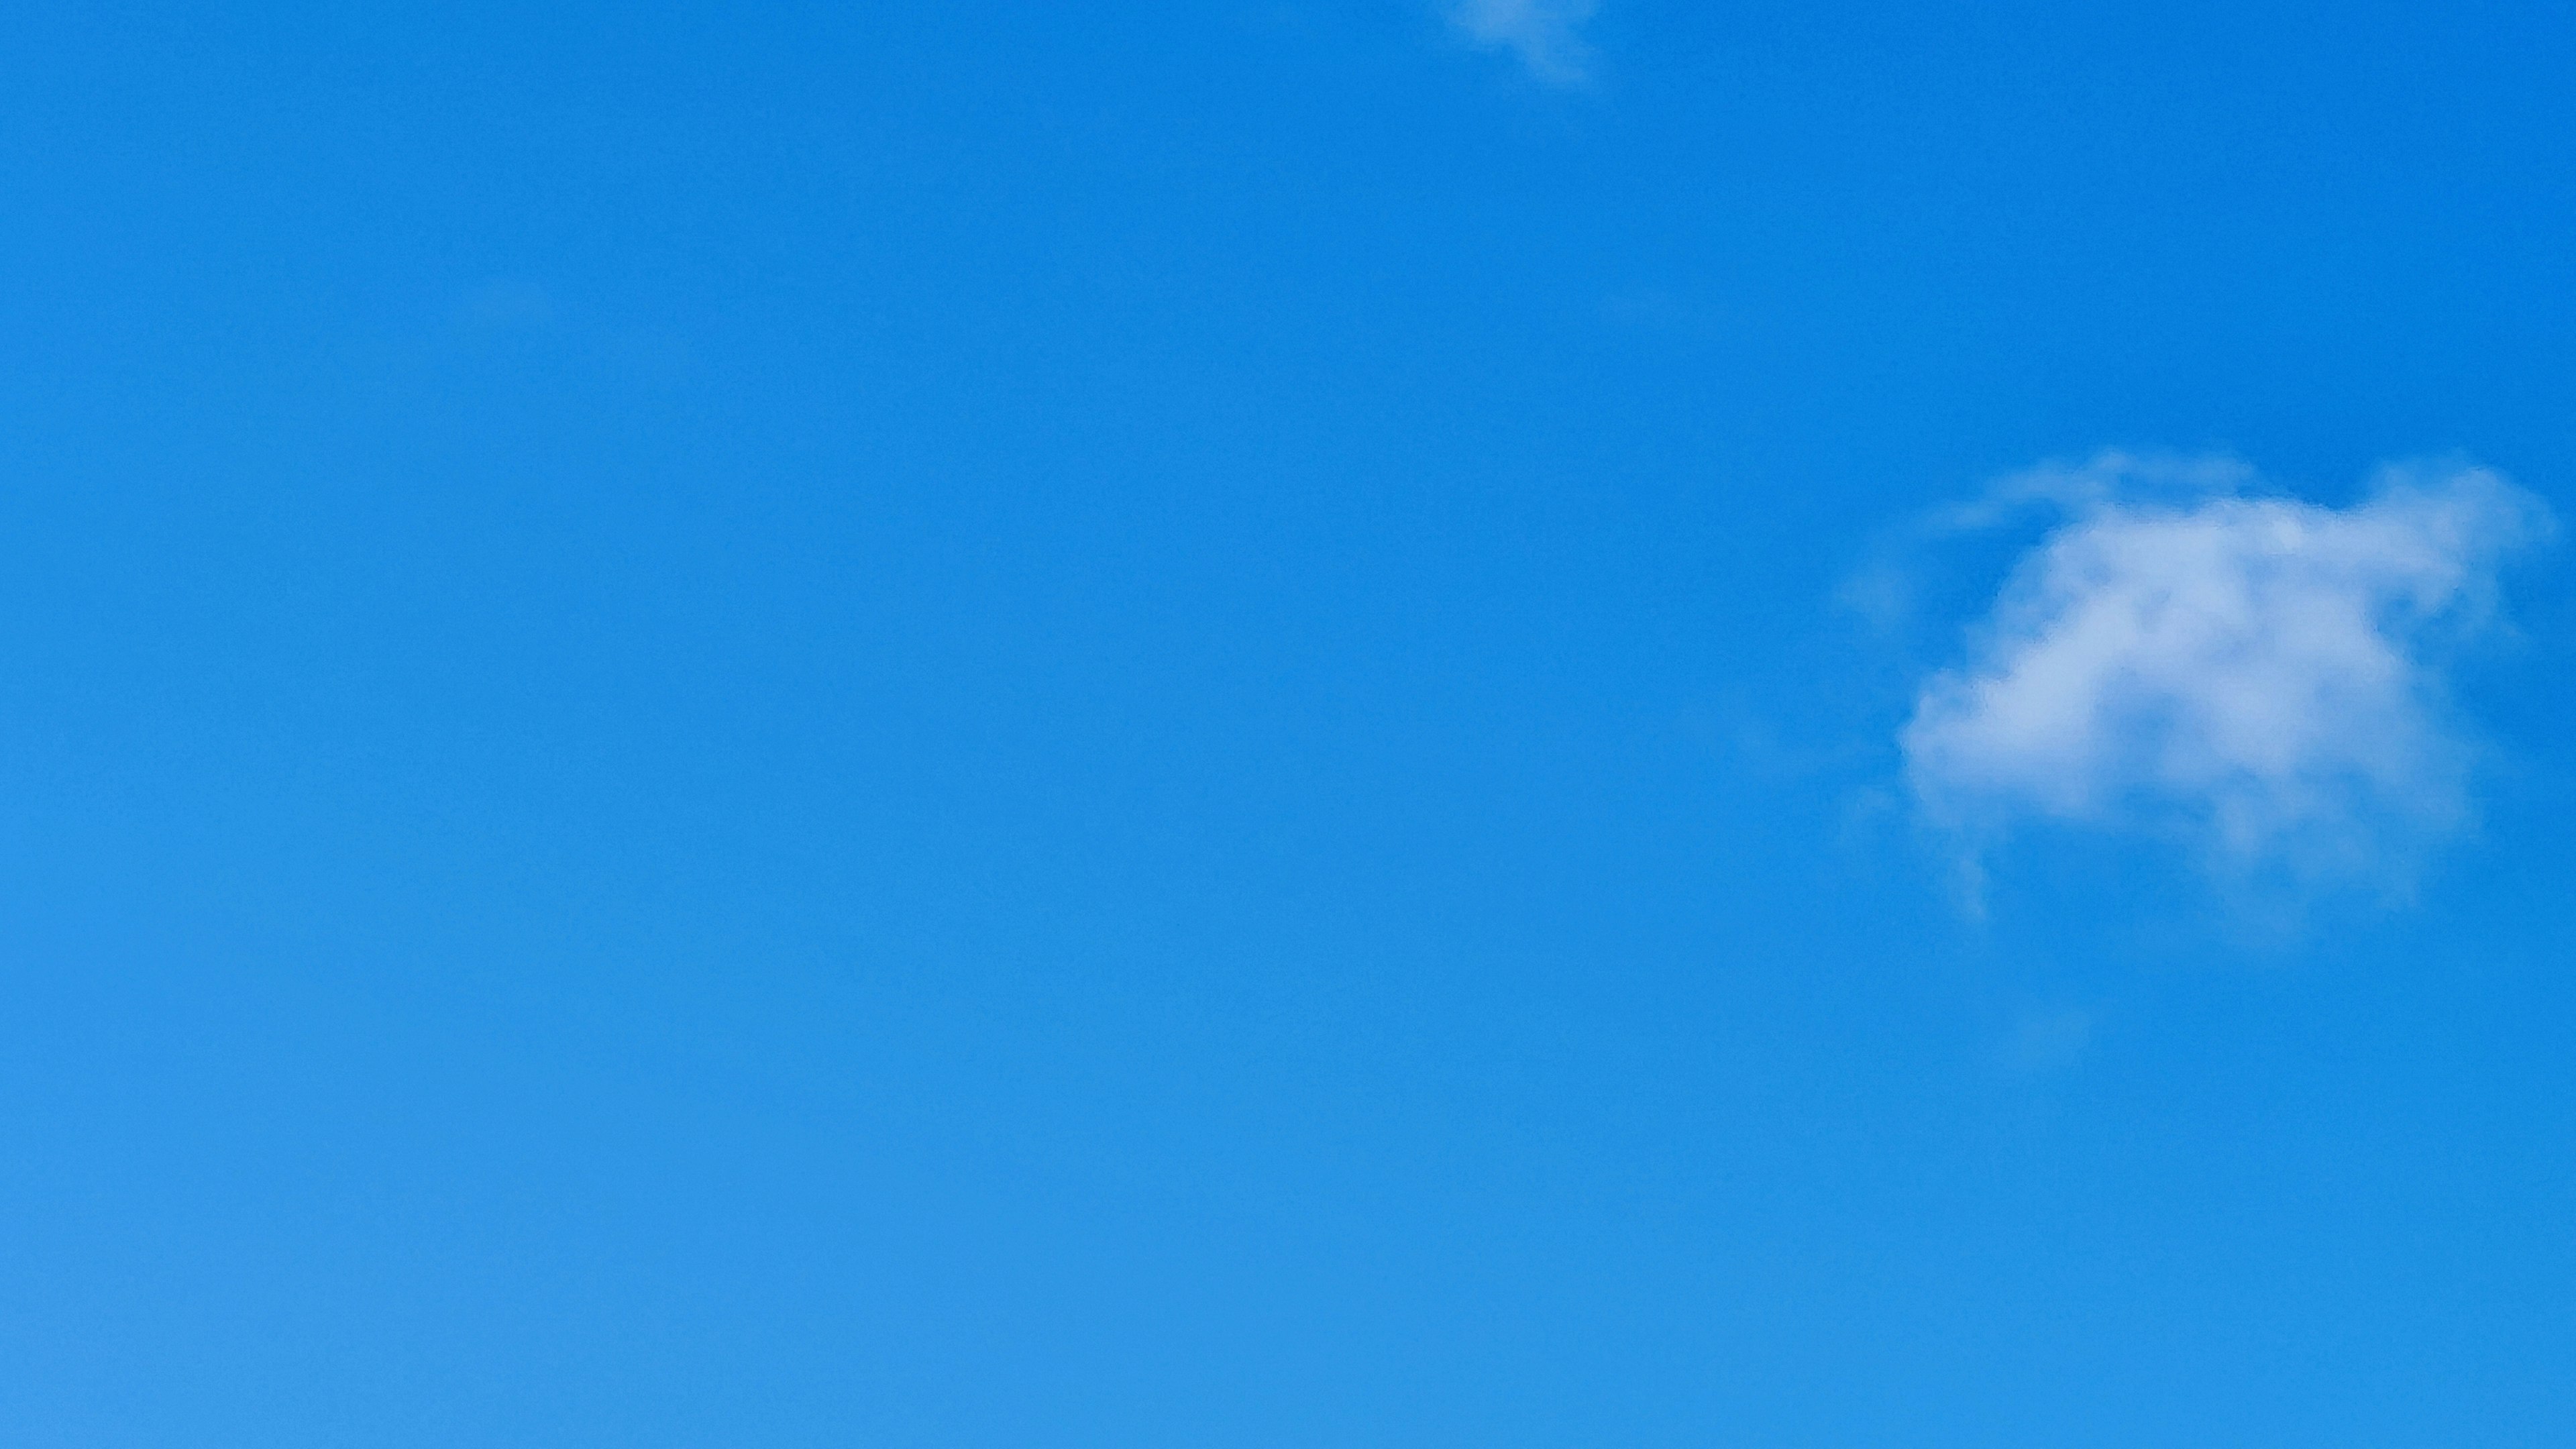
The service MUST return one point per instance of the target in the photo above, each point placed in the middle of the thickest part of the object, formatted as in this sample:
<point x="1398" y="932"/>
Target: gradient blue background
<point x="1009" y="724"/>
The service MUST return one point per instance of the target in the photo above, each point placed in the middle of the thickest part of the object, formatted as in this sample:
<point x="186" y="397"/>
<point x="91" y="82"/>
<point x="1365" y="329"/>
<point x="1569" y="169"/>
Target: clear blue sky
<point x="1181" y="725"/>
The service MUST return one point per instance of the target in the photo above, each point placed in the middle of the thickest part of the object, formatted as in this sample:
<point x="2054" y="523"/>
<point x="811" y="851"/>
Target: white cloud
<point x="1547" y="35"/>
<point x="2257" y="673"/>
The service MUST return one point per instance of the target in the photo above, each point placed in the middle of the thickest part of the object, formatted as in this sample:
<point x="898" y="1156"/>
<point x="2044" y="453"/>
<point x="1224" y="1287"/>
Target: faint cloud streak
<point x="1546" y="35"/>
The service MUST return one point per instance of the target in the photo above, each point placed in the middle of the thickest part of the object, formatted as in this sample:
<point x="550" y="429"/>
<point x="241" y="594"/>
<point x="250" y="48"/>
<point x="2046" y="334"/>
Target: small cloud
<point x="1547" y="35"/>
<point x="2258" y="674"/>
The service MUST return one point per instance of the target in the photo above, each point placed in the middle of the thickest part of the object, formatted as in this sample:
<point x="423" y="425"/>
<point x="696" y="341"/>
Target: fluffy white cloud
<point x="1547" y="35"/>
<point x="2258" y="672"/>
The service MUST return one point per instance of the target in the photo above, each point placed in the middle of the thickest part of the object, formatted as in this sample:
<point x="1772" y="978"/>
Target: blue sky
<point x="1287" y="724"/>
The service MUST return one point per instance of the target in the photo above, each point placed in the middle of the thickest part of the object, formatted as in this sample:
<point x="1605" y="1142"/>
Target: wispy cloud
<point x="2184" y="653"/>
<point x="1547" y="35"/>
